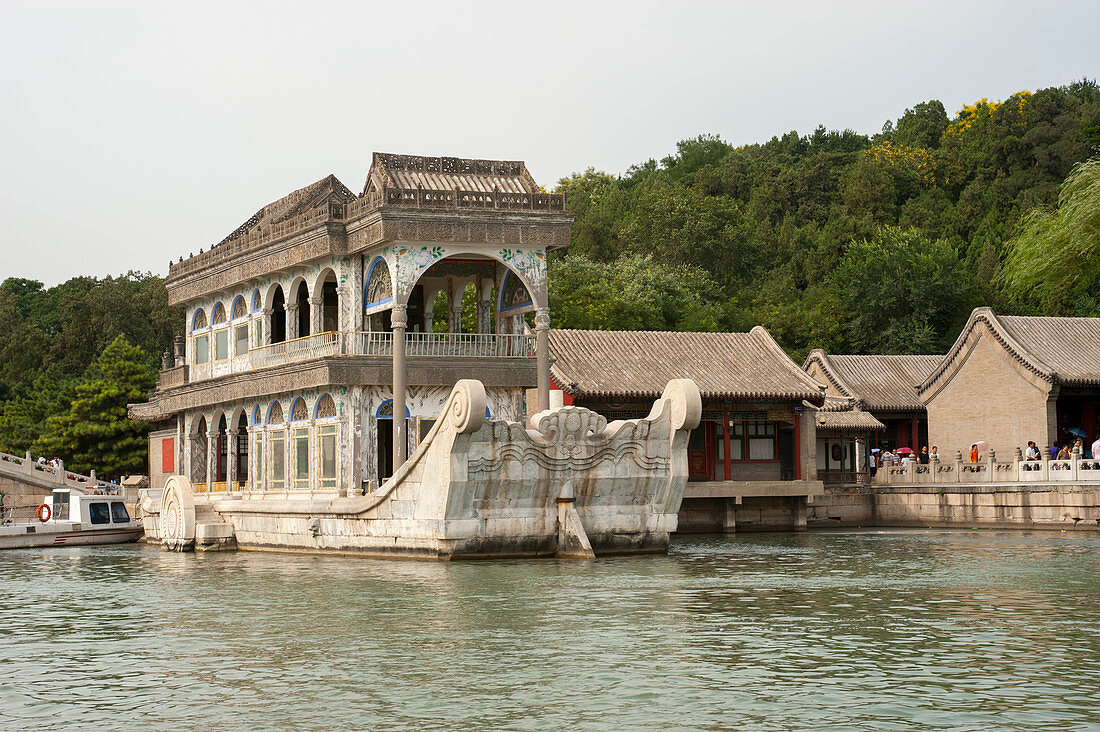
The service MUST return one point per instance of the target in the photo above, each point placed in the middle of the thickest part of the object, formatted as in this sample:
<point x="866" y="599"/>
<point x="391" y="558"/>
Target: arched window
<point x="385" y="410"/>
<point x="219" y="314"/>
<point x="256" y="302"/>
<point x="326" y="407"/>
<point x="239" y="310"/>
<point x="199" y="320"/>
<point x="256" y="416"/>
<point x="299" y="445"/>
<point x="276" y="448"/>
<point x="299" y="411"/>
<point x="326" y="441"/>
<point x="200" y="348"/>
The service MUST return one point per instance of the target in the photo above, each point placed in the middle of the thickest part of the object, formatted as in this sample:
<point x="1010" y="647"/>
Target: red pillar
<point x="797" y="447"/>
<point x="726" y="443"/>
<point x="915" y="436"/>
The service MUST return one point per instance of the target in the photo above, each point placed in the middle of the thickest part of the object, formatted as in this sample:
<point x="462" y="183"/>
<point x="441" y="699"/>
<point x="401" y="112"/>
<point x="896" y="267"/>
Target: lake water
<point x="859" y="629"/>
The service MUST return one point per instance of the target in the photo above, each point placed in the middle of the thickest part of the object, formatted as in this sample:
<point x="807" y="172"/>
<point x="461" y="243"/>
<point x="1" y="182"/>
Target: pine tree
<point x="95" y="433"/>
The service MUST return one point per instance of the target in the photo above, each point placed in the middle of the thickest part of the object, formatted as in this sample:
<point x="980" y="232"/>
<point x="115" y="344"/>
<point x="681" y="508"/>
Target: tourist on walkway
<point x="935" y="454"/>
<point x="872" y="462"/>
<point x="974" y="453"/>
<point x="923" y="458"/>
<point x="1095" y="454"/>
<point x="1032" y="452"/>
<point x="1063" y="454"/>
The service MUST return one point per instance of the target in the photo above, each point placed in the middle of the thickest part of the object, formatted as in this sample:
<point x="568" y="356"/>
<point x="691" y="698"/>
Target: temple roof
<point x="1057" y="350"/>
<point x="311" y="197"/>
<point x="640" y="363"/>
<point x="879" y="383"/>
<point x="854" y="419"/>
<point x="447" y="174"/>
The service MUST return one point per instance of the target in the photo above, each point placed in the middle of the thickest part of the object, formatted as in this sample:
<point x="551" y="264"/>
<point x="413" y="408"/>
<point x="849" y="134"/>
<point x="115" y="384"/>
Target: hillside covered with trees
<point x="855" y="243"/>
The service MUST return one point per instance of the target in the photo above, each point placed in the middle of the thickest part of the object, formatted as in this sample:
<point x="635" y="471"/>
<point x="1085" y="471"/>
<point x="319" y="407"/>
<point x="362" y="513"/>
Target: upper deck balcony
<point x="341" y="343"/>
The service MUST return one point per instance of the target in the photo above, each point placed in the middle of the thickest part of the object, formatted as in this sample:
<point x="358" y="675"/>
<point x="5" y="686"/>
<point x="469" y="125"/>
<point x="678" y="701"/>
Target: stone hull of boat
<point x="569" y="485"/>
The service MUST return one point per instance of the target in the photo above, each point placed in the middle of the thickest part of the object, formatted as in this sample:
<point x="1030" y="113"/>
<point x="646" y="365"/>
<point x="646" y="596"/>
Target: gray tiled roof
<point x="446" y="174"/>
<point x="852" y="420"/>
<point x="1057" y="350"/>
<point x="1068" y="347"/>
<point x="640" y="363"/>
<point x="881" y="383"/>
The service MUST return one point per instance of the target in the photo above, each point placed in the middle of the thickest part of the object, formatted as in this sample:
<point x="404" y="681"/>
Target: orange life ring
<point x="43" y="513"/>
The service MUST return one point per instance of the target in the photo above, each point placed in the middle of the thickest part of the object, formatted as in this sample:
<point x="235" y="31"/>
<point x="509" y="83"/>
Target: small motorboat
<point x="72" y="517"/>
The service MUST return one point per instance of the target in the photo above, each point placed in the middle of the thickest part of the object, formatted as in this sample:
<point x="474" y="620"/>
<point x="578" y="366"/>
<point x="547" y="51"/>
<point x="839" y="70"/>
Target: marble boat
<point x="72" y="517"/>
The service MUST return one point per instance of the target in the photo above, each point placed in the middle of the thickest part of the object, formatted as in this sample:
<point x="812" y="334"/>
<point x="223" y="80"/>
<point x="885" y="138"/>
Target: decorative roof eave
<point x="819" y="389"/>
<point x="578" y="391"/>
<point x="854" y="421"/>
<point x="950" y="364"/>
<point x="819" y="356"/>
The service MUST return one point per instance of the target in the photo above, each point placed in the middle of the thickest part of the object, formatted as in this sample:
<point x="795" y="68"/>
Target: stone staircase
<point x="212" y="533"/>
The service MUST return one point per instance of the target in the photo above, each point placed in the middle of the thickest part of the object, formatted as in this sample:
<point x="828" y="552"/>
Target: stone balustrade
<point x="365" y="343"/>
<point x="15" y="466"/>
<point x="1074" y="470"/>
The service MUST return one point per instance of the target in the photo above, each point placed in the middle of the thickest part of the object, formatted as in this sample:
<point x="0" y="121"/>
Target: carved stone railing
<point x="338" y="343"/>
<point x="482" y="345"/>
<point x="175" y="376"/>
<point x="456" y="199"/>
<point x="1075" y="470"/>
<point x="25" y="467"/>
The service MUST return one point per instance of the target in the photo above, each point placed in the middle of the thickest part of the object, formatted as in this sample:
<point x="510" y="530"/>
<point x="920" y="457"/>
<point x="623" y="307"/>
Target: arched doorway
<point x="384" y="424"/>
<point x="278" y="316"/>
<point x="330" y="304"/>
<point x="302" y="298"/>
<point x="242" y="451"/>
<point x="221" y="448"/>
<point x="198" y="453"/>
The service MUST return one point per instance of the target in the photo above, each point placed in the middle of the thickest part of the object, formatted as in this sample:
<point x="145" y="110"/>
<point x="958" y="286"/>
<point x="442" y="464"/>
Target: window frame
<point x="746" y="431"/>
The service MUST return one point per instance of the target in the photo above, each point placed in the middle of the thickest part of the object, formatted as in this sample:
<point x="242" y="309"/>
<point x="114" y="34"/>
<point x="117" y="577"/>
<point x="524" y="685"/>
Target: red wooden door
<point x="702" y="451"/>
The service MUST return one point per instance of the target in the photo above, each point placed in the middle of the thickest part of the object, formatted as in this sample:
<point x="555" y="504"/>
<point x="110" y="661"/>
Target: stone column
<point x="399" y="321"/>
<point x="230" y="458"/>
<point x="265" y="325"/>
<point x="542" y="356"/>
<point x="316" y="314"/>
<point x="485" y="307"/>
<point x="177" y="351"/>
<point x="211" y="458"/>
<point x="291" y="321"/>
<point x="454" y="313"/>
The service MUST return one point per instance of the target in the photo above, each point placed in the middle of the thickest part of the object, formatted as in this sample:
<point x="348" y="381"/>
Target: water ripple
<point x="846" y="629"/>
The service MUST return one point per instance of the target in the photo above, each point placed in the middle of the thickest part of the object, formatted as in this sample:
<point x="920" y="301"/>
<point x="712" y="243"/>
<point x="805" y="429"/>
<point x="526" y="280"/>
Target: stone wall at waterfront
<point x="1046" y="505"/>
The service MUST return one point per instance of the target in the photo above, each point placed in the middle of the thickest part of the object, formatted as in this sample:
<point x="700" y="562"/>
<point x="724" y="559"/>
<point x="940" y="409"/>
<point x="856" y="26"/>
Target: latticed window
<point x="326" y="407"/>
<point x="299" y="412"/>
<point x="200" y="319"/>
<point x="275" y="413"/>
<point x="219" y="314"/>
<point x="256" y="300"/>
<point x="238" y="308"/>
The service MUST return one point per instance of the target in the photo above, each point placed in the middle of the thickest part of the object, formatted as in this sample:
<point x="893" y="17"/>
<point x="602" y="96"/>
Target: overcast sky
<point x="132" y="133"/>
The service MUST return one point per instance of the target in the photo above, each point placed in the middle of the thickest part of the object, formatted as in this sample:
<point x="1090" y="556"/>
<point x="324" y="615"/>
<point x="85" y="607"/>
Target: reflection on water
<point x="875" y="629"/>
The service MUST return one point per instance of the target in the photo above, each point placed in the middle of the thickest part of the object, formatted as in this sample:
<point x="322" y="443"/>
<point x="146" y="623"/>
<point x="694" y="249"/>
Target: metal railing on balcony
<point x="369" y="343"/>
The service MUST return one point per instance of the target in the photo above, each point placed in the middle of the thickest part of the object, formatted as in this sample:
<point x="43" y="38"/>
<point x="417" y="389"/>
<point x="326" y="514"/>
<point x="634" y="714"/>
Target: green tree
<point x="898" y="292"/>
<point x="23" y="417"/>
<point x="95" y="432"/>
<point x="922" y="126"/>
<point x="1054" y="260"/>
<point x="633" y="293"/>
